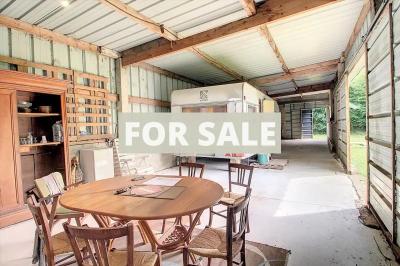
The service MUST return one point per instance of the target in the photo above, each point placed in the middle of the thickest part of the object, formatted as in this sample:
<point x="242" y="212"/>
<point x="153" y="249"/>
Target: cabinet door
<point x="10" y="183"/>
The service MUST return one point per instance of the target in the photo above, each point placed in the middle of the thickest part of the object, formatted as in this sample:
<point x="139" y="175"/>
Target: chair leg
<point x="185" y="257"/>
<point x="248" y="223"/>
<point x="209" y="262"/>
<point x="163" y="226"/>
<point x="158" y="263"/>
<point x="211" y="217"/>
<point x="243" y="251"/>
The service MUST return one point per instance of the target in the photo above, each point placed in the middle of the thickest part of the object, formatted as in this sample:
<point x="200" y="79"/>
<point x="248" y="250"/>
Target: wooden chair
<point x="244" y="174"/>
<point x="50" y="245"/>
<point x="97" y="239"/>
<point x="220" y="243"/>
<point x="50" y="188"/>
<point x="193" y="170"/>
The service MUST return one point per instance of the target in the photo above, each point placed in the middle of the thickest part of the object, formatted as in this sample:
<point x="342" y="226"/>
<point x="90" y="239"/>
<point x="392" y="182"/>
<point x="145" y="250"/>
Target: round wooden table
<point x="98" y="199"/>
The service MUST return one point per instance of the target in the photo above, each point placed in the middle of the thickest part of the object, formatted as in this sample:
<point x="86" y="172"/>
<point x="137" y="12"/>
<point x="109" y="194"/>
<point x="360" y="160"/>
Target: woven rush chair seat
<point x="230" y="198"/>
<point x="211" y="242"/>
<point x="119" y="258"/>
<point x="61" y="244"/>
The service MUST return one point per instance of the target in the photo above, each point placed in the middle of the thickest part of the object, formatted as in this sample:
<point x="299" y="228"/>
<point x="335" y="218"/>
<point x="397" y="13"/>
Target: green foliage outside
<point x="319" y="121"/>
<point x="358" y="124"/>
<point x="357" y="103"/>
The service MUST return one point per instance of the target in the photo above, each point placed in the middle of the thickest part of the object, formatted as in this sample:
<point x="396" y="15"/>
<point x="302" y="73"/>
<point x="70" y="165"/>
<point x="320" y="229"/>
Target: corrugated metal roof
<point x="318" y="35"/>
<point x="189" y="65"/>
<point x="303" y="39"/>
<point x="247" y="53"/>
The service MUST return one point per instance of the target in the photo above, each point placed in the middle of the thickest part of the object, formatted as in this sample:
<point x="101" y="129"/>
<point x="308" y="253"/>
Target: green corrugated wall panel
<point x="157" y="86"/>
<point x="164" y="89"/>
<point x="169" y="87"/>
<point x="60" y="52"/>
<point x="104" y="66"/>
<point x="134" y="81"/>
<point x="150" y="84"/>
<point x="143" y="83"/>
<point x="76" y="57"/>
<point x="4" y="41"/>
<point x="91" y="63"/>
<point x="4" y="65"/>
<point x="42" y="51"/>
<point x="21" y="45"/>
<point x="113" y="85"/>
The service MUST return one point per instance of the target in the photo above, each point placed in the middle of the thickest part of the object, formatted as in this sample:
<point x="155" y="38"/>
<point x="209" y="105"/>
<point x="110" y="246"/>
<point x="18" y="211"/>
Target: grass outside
<point x="358" y="152"/>
<point x="319" y="136"/>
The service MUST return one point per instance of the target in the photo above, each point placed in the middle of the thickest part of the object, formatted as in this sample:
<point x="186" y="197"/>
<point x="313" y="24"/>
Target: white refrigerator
<point x="97" y="164"/>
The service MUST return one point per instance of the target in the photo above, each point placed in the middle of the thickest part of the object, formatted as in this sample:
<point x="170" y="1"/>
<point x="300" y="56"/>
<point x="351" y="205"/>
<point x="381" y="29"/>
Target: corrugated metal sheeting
<point x="91" y="21"/>
<point x="396" y="52"/>
<point x="379" y="122"/>
<point x="340" y="126"/>
<point x="302" y="40"/>
<point x="152" y="85"/>
<point x="316" y="36"/>
<point x="291" y="117"/>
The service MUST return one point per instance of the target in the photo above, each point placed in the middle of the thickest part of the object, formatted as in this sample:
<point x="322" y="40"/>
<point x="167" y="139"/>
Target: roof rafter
<point x="267" y="35"/>
<point x="299" y="72"/>
<point x="54" y="36"/>
<point x="249" y="7"/>
<point x="133" y="14"/>
<point x="165" y="32"/>
<point x="305" y="90"/>
<point x="271" y="10"/>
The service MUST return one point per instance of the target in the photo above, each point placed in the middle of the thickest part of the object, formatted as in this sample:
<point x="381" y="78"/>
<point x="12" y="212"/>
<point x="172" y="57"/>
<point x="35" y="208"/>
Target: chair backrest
<point x="236" y="226"/>
<point x="97" y="240"/>
<point x="42" y="226"/>
<point x="50" y="185"/>
<point x="240" y="175"/>
<point x="192" y="169"/>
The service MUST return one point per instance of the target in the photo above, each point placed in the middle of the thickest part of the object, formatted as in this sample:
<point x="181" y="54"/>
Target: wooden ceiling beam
<point x="305" y="89"/>
<point x="249" y="7"/>
<point x="357" y="28"/>
<point x="216" y="64"/>
<point x="148" y="23"/>
<point x="54" y="36"/>
<point x="299" y="72"/>
<point x="271" y="10"/>
<point x="168" y="34"/>
<point x="268" y="36"/>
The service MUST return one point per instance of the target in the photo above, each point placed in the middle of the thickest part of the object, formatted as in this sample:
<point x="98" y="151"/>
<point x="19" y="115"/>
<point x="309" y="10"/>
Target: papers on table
<point x="163" y="181"/>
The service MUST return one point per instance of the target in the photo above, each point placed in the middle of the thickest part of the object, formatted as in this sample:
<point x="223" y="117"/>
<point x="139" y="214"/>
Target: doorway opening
<point x="320" y="123"/>
<point x="358" y="142"/>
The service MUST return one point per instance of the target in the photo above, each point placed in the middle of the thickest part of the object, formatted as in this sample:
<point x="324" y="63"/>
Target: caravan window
<point x="205" y="109"/>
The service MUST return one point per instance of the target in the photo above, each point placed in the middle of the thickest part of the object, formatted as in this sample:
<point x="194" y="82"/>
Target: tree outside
<point x="358" y="124"/>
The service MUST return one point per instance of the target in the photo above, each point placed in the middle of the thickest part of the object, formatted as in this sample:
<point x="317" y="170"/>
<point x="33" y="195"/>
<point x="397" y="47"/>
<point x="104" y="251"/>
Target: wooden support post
<point x="348" y="123"/>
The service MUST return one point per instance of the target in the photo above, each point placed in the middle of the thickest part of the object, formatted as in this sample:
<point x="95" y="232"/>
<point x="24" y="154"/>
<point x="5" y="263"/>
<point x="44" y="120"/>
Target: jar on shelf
<point x="57" y="132"/>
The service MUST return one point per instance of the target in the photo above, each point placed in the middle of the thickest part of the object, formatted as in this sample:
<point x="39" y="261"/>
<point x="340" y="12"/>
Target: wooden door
<point x="10" y="183"/>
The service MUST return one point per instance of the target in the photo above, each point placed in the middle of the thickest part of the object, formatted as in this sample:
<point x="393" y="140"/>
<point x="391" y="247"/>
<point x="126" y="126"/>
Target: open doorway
<point x="357" y="100"/>
<point x="319" y="123"/>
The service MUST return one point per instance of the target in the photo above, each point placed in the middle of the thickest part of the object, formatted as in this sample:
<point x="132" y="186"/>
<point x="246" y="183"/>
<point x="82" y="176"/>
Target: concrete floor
<point x="308" y="208"/>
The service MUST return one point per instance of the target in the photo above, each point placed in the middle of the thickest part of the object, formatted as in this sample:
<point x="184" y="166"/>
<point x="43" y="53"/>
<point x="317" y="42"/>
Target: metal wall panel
<point x="4" y="40"/>
<point x="61" y="52"/>
<point x="21" y="45"/>
<point x="396" y="81"/>
<point x="380" y="124"/>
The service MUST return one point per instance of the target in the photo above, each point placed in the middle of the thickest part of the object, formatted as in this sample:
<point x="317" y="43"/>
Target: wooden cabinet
<point x="21" y="164"/>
